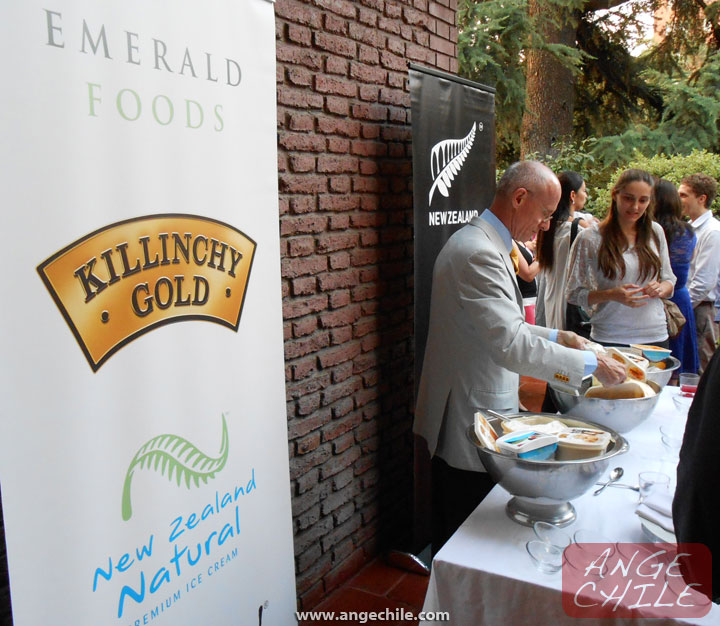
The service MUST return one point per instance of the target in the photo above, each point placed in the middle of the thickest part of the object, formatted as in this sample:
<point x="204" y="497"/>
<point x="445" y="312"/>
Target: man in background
<point x="479" y="343"/>
<point x="697" y="193"/>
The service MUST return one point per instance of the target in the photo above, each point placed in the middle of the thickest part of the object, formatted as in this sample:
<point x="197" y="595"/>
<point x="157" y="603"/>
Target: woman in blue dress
<point x="681" y="244"/>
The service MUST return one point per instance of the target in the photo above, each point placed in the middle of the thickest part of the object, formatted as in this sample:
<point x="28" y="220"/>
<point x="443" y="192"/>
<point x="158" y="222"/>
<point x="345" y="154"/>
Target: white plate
<point x="656" y="533"/>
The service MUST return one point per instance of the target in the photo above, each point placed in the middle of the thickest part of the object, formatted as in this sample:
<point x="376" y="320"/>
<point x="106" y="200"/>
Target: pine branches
<point x="660" y="101"/>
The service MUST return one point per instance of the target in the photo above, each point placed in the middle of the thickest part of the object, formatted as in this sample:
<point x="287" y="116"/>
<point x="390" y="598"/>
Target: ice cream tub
<point x="581" y="443"/>
<point x="528" y="444"/>
<point x="540" y="423"/>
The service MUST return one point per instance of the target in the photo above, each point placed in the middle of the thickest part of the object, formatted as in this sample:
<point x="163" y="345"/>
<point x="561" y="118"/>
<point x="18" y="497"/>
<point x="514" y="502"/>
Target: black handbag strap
<point x="574" y="229"/>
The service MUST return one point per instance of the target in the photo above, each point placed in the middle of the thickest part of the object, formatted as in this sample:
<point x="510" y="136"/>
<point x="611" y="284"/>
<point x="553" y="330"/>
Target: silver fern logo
<point x="446" y="160"/>
<point x="169" y="453"/>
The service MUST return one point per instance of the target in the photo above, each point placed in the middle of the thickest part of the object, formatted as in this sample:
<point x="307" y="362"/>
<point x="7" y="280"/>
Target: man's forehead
<point x="550" y="189"/>
<point x="542" y="185"/>
<point x="550" y="183"/>
<point x="686" y="189"/>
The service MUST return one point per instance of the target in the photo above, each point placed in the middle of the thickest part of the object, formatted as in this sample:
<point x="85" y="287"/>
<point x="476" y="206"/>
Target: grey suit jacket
<point x="478" y="343"/>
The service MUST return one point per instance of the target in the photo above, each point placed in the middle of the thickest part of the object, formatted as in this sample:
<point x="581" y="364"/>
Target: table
<point x="484" y="576"/>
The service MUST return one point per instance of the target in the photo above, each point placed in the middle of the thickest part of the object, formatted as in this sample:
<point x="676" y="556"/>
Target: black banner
<point x="453" y="131"/>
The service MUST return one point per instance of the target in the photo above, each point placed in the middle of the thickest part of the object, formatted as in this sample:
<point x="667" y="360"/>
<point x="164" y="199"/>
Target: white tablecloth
<point x="484" y="576"/>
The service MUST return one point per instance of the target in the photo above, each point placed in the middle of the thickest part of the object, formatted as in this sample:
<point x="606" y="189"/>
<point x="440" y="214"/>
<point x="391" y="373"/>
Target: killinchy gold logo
<point x="128" y="278"/>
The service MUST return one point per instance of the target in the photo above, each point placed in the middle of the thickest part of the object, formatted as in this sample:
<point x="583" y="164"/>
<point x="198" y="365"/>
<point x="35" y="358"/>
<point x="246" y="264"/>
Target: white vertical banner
<point x="143" y="437"/>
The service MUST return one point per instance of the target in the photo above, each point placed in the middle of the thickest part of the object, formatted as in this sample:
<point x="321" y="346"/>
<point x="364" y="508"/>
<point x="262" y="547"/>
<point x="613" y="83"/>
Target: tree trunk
<point x="549" y="89"/>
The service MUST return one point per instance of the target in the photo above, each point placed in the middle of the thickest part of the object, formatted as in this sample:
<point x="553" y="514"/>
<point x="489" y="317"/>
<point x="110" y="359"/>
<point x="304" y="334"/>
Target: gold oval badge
<point x="130" y="277"/>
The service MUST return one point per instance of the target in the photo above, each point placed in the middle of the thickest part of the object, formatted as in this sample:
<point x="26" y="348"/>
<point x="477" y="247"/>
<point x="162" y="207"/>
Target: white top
<point x="551" y="283"/>
<point x="705" y="264"/>
<point x="613" y="322"/>
<point x="588" y="217"/>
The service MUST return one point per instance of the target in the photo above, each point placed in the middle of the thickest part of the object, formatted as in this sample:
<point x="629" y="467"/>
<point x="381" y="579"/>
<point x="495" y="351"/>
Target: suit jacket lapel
<point x="498" y="243"/>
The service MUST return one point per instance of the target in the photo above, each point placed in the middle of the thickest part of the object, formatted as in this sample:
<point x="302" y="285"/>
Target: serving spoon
<point x="615" y="475"/>
<point x="622" y="486"/>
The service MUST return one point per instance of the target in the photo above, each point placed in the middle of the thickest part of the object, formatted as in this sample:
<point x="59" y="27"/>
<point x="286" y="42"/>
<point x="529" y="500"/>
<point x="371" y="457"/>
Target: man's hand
<point x="569" y="339"/>
<point x="609" y="371"/>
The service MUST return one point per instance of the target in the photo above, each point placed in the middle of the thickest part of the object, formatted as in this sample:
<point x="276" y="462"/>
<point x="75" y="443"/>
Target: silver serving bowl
<point x="541" y="490"/>
<point x="619" y="415"/>
<point x="662" y="377"/>
<point x="659" y="377"/>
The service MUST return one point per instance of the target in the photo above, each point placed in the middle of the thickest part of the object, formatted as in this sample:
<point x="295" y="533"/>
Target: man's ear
<point x="703" y="198"/>
<point x="518" y="196"/>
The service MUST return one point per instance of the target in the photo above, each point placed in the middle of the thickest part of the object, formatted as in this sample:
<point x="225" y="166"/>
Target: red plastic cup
<point x="689" y="384"/>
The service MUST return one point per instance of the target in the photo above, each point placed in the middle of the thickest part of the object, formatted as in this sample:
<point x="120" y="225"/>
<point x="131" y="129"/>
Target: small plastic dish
<point x="635" y="552"/>
<point x="671" y="438"/>
<point x="589" y="553"/>
<point x="671" y="446"/>
<point x="652" y="353"/>
<point x="549" y="533"/>
<point x="682" y="403"/>
<point x="588" y="535"/>
<point x="545" y="557"/>
<point x="591" y="542"/>
<point x="588" y="565"/>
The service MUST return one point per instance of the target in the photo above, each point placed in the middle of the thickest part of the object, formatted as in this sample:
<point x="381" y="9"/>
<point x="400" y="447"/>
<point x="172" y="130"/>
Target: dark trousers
<point x="706" y="330"/>
<point x="455" y="494"/>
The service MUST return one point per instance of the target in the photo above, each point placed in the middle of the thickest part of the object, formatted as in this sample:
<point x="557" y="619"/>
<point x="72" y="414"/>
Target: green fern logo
<point x="170" y="454"/>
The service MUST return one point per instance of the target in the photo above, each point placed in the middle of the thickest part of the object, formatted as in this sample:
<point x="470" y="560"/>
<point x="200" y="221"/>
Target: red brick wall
<point x="345" y="177"/>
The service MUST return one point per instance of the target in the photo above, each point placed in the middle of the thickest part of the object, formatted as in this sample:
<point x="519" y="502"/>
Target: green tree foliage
<point x="688" y="120"/>
<point x="576" y="156"/>
<point x="612" y="90"/>
<point x="579" y="157"/>
<point x="493" y="40"/>
<point x="661" y="102"/>
<point x="672" y="168"/>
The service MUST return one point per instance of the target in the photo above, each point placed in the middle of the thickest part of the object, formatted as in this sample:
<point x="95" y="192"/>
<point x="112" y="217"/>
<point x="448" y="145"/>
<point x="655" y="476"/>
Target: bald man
<point x="478" y="342"/>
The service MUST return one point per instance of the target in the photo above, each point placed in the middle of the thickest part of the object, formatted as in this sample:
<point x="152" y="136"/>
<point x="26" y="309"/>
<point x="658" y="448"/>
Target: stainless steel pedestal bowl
<point x="620" y="415"/>
<point x="542" y="490"/>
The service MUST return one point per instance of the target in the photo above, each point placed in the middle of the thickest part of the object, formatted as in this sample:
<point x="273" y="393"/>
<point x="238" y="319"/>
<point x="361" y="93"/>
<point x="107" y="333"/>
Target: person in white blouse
<point x="553" y="252"/>
<point x="620" y="269"/>
<point x="697" y="193"/>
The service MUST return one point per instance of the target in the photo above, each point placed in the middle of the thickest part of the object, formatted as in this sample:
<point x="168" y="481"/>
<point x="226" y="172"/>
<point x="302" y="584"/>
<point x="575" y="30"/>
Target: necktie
<point x="514" y="258"/>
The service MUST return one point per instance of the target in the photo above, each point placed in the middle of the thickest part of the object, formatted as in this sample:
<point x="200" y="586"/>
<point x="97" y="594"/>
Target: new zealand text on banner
<point x="453" y="132"/>
<point x="143" y="455"/>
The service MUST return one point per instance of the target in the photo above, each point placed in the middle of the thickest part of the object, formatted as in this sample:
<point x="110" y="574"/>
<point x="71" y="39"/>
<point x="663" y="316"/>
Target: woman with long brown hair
<point x="620" y="269"/>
